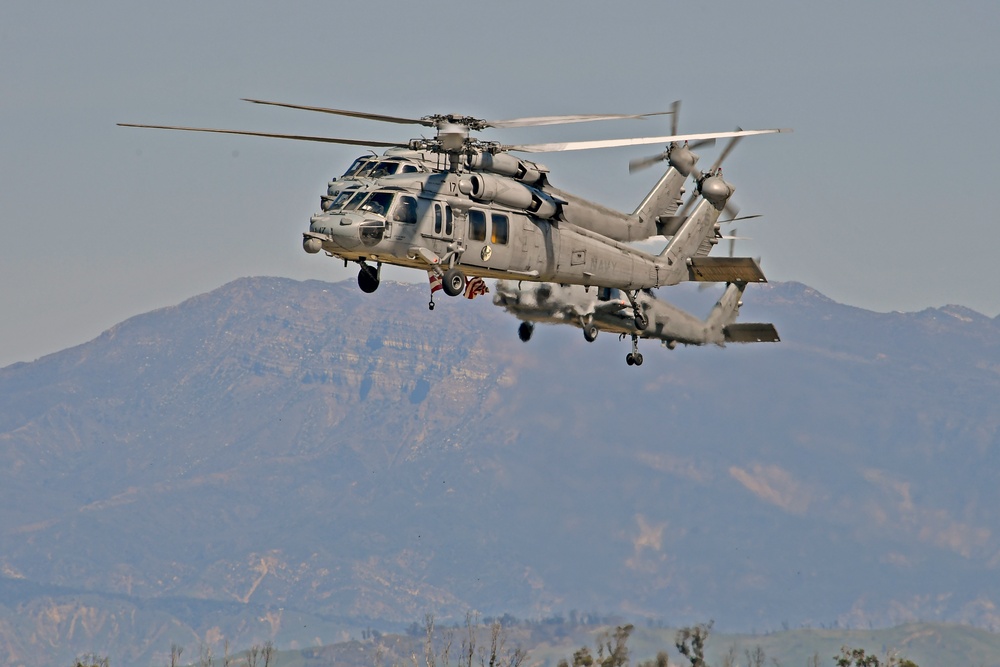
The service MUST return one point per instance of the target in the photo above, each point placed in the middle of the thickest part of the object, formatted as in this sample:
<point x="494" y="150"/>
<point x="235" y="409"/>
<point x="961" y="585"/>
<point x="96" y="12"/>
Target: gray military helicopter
<point x="604" y="309"/>
<point x="455" y="205"/>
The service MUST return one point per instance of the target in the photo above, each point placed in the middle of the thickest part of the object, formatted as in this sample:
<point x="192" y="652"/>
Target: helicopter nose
<point x="338" y="230"/>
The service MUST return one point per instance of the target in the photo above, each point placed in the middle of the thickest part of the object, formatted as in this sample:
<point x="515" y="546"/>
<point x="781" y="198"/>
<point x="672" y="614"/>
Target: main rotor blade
<point x="296" y="137"/>
<point x="636" y="141"/>
<point x="344" y="112"/>
<point x="431" y="121"/>
<point x="565" y="120"/>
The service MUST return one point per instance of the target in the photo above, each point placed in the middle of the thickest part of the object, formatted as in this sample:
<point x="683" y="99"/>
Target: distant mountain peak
<point x="303" y="450"/>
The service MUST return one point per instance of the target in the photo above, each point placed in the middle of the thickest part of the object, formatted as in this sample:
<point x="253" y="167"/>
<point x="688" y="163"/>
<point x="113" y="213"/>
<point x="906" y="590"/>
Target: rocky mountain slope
<point x="294" y="460"/>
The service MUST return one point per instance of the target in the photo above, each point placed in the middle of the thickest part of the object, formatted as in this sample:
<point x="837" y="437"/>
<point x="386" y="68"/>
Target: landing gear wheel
<point x="525" y="330"/>
<point x="590" y="333"/>
<point x="453" y="282"/>
<point x="430" y="305"/>
<point x="633" y="358"/>
<point x="368" y="279"/>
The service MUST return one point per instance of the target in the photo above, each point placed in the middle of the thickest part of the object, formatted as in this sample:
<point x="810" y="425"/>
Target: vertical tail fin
<point x="697" y="227"/>
<point x="656" y="211"/>
<point x="727" y="309"/>
<point x="661" y="203"/>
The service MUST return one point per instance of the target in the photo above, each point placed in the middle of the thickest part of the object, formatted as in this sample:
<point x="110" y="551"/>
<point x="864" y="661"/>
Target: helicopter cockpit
<point x="377" y="202"/>
<point x="370" y="166"/>
<point x="366" y="166"/>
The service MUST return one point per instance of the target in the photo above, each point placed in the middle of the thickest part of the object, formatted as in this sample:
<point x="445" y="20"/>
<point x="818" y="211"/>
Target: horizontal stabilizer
<point x="751" y="333"/>
<point x="725" y="270"/>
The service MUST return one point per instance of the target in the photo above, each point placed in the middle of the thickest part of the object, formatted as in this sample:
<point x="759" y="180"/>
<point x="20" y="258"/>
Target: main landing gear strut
<point x="634" y="357"/>
<point x="641" y="321"/>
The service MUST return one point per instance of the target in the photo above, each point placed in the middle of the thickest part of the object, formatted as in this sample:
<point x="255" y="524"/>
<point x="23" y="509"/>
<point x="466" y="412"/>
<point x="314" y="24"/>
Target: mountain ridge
<point x="302" y="449"/>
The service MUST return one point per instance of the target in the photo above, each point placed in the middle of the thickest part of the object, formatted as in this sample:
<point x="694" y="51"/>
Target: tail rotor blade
<point x="731" y="210"/>
<point x="641" y="163"/>
<point x="726" y="151"/>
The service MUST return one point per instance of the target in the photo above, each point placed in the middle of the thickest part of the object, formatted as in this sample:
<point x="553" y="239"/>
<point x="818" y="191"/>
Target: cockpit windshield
<point x="354" y="168"/>
<point x="354" y="201"/>
<point x="339" y="201"/>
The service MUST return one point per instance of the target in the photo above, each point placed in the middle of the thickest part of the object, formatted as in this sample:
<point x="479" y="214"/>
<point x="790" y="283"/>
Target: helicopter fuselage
<point x="432" y="220"/>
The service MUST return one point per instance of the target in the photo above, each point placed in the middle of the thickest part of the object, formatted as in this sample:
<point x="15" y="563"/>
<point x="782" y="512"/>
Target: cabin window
<point x="443" y="220"/>
<point x="477" y="225"/>
<point x="408" y="169"/>
<point x="500" y="229"/>
<point x="406" y="210"/>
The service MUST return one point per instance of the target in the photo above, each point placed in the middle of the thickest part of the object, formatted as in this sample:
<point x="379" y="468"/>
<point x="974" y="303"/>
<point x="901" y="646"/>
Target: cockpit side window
<point x="406" y="210"/>
<point x="378" y="203"/>
<point x="384" y="169"/>
<point x="408" y="168"/>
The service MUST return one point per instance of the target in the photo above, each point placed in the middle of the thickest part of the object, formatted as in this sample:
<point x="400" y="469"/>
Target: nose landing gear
<point x="369" y="277"/>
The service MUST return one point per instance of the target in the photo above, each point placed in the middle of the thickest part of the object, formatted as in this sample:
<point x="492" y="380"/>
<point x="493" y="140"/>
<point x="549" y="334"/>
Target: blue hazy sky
<point x="881" y="198"/>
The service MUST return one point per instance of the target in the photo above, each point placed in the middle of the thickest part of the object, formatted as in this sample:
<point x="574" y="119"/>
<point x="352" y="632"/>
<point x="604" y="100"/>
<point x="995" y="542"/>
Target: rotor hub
<point x="681" y="158"/>
<point x="716" y="190"/>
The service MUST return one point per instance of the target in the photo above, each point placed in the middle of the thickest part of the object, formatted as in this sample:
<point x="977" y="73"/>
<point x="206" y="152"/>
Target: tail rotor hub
<point x="716" y="190"/>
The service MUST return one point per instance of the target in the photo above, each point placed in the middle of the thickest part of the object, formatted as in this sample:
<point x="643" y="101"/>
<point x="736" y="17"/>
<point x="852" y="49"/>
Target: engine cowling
<point x="507" y="192"/>
<point x="505" y="165"/>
